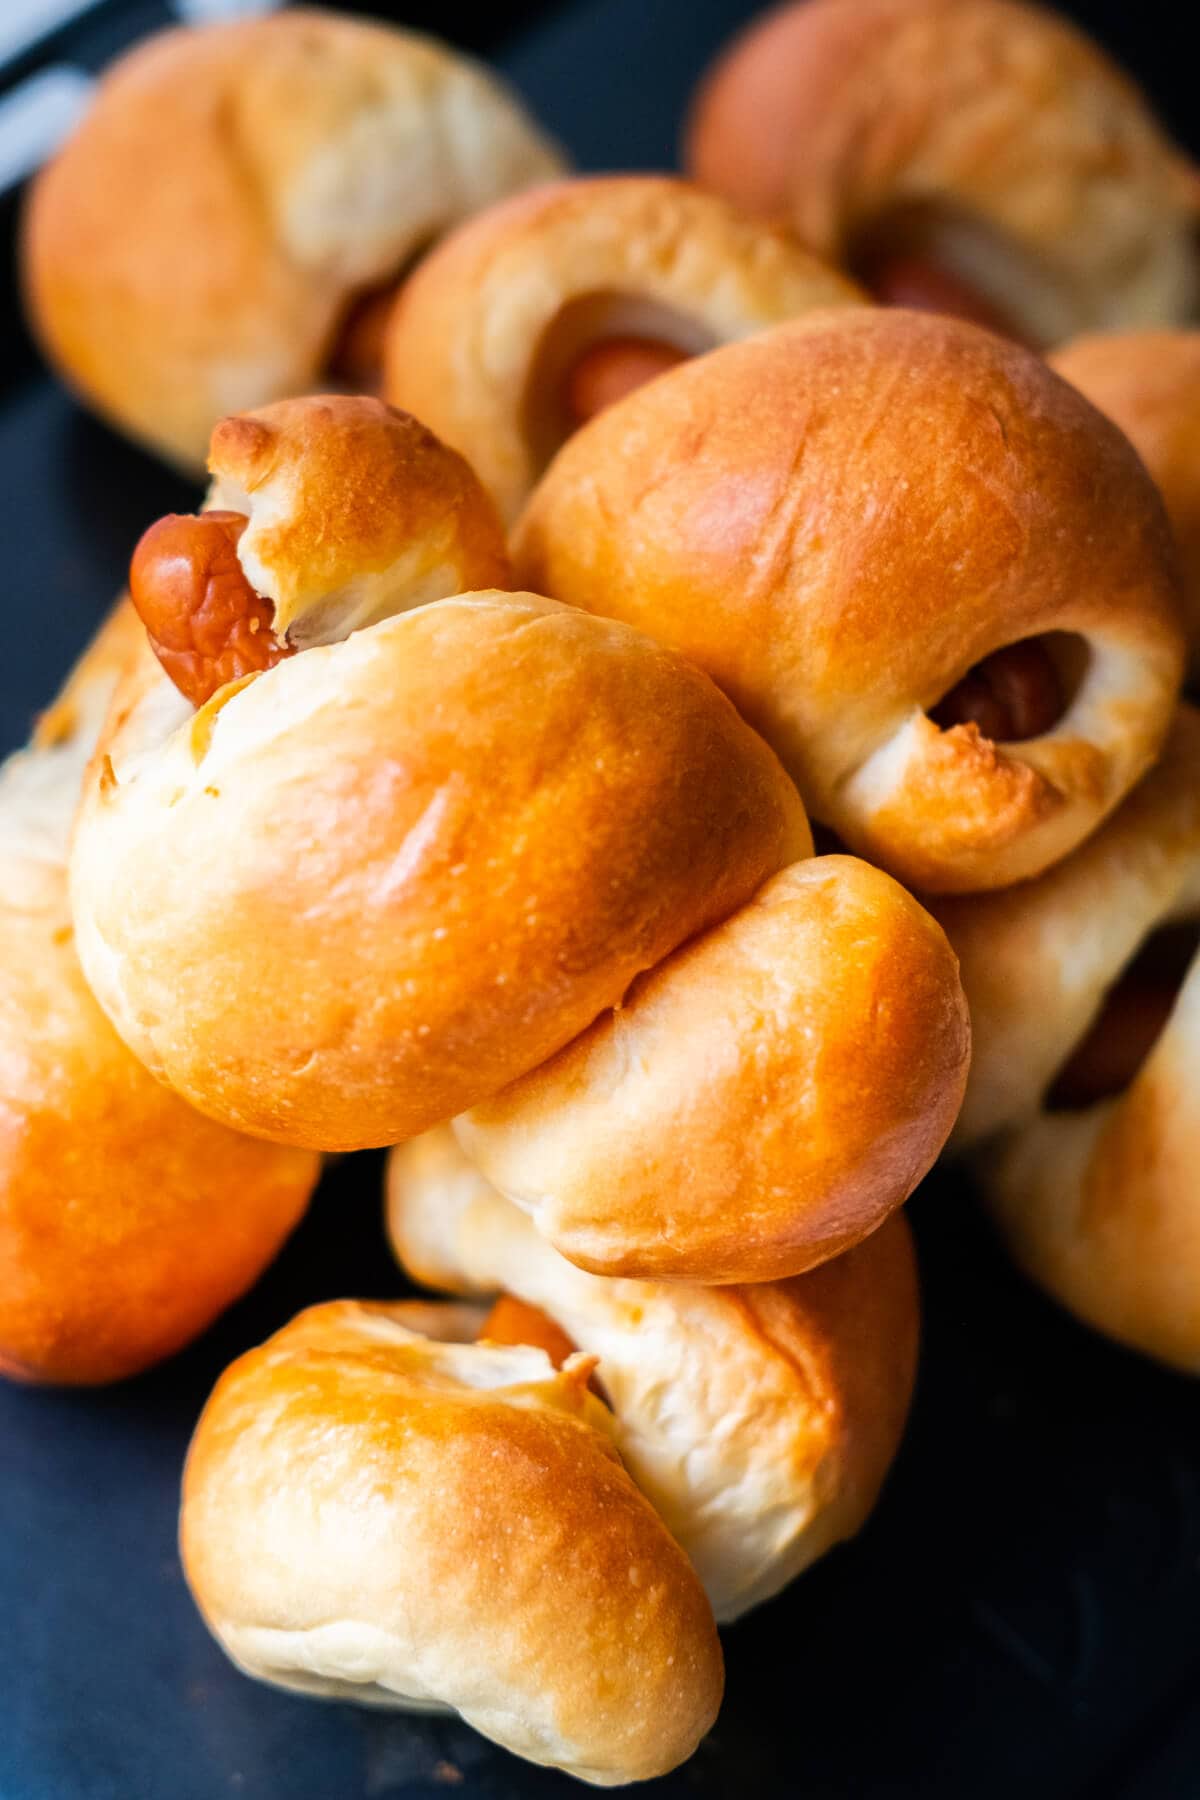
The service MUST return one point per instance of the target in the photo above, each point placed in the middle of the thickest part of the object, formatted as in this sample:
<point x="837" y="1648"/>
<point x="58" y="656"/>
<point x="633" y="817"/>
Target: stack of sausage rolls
<point x="658" y="666"/>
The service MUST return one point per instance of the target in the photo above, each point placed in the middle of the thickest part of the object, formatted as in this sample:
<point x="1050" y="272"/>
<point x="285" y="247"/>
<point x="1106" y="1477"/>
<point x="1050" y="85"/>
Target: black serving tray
<point x="1022" y="1615"/>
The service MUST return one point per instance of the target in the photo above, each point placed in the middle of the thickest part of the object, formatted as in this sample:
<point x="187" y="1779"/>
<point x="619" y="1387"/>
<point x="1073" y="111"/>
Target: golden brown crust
<point x="356" y="512"/>
<point x="1047" y="181"/>
<point x="839" y="518"/>
<point x="758" y="1103"/>
<point x="127" y="1221"/>
<point x="296" y="159"/>
<point x="759" y="1420"/>
<point x="484" y="334"/>
<point x="1097" y="1202"/>
<point x="369" y="1513"/>
<point x="423" y="859"/>
<point x="1148" y="383"/>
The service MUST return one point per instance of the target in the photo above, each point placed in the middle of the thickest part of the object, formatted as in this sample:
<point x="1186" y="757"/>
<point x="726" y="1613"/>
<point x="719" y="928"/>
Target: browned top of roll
<point x="421" y="860"/>
<point x="837" y="520"/>
<point x="356" y="511"/>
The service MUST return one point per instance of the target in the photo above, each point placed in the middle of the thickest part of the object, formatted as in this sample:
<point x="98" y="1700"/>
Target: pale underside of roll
<point x="759" y="1420"/>
<point x="1096" y="1197"/>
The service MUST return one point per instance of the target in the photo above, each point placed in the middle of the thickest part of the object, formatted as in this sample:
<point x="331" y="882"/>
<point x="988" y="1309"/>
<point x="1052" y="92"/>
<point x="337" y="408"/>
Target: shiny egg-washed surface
<point x="1022" y="1614"/>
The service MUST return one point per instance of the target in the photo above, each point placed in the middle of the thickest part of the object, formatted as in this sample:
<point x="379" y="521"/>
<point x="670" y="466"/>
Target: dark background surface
<point x="1022" y="1616"/>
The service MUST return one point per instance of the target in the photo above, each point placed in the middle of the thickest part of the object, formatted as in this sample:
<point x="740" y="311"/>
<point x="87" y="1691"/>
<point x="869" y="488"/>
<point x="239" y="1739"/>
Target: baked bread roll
<point x="1148" y="383"/>
<point x="974" y="156"/>
<point x="427" y="858"/>
<point x="1084" y="1097"/>
<point x="420" y="860"/>
<point x="758" y="1103"/>
<point x="203" y="241"/>
<point x="373" y="1514"/>
<point x="759" y="1420"/>
<point x="1038" y="960"/>
<point x="929" y="573"/>
<point x="127" y="1221"/>
<point x="533" y="315"/>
